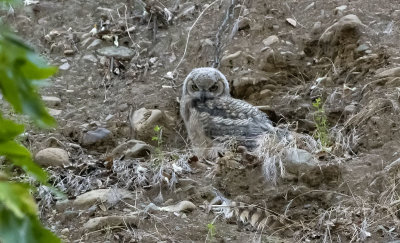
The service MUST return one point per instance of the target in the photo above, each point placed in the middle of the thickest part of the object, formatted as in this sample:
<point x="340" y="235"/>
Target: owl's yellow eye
<point x="194" y="87"/>
<point x="214" y="88"/>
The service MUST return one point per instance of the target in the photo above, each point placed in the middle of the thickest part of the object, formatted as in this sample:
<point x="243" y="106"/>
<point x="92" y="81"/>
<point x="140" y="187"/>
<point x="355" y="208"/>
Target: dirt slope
<point x="278" y="55"/>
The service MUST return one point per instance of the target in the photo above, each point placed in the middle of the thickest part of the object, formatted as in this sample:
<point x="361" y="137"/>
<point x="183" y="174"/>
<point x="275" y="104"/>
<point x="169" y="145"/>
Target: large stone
<point x="347" y="22"/>
<point x="95" y="43"/>
<point x="344" y="32"/>
<point x="298" y="160"/>
<point x="54" y="112"/>
<point x="118" y="52"/>
<point x="96" y="137"/>
<point x="110" y="221"/>
<point x="270" y="40"/>
<point x="393" y="72"/>
<point x="51" y="100"/>
<point x="132" y="149"/>
<point x="52" y="157"/>
<point x="144" y="120"/>
<point x="104" y="196"/>
<point x="64" y="66"/>
<point x="90" y="58"/>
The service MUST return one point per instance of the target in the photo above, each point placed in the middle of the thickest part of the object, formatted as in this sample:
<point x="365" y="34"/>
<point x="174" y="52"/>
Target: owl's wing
<point x="229" y="117"/>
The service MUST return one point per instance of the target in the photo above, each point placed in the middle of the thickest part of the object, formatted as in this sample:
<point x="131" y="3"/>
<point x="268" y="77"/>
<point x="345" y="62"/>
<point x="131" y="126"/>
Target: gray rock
<point x="119" y="52"/>
<point x="144" y="120"/>
<point x="69" y="52"/>
<point x="350" y="109"/>
<point x="244" y="23"/>
<point x="52" y="157"/>
<point x="51" y="100"/>
<point x="298" y="160"/>
<point x="90" y="58"/>
<point x="97" y="136"/>
<point x="103" y="196"/>
<point x="64" y="66"/>
<point x="95" y="43"/>
<point x="102" y="222"/>
<point x="132" y="149"/>
<point x="54" y="112"/>
<point x="225" y="59"/>
<point x="292" y="22"/>
<point x="348" y="22"/>
<point x="393" y="72"/>
<point x="270" y="40"/>
<point x="362" y="47"/>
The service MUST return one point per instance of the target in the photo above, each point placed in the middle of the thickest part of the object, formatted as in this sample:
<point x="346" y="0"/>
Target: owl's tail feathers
<point x="246" y="214"/>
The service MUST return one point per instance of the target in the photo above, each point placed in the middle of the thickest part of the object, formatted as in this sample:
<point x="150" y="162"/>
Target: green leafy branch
<point x="20" y="72"/>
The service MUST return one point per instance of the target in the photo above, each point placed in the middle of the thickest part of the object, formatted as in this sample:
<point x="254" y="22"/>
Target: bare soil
<point x="352" y="196"/>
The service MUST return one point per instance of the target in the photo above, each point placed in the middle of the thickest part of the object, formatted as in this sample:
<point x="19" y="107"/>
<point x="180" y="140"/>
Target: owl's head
<point x="205" y="83"/>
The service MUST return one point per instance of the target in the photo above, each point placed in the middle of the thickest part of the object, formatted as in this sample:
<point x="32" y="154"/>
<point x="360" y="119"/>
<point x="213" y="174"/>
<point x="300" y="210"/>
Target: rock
<point x="291" y="21"/>
<point x="103" y="196"/>
<point x="340" y="9"/>
<point x="132" y="149"/>
<point x="270" y="40"/>
<point x="144" y="120"/>
<point x="230" y="57"/>
<point x="69" y="52"/>
<point x="110" y="221"/>
<point x="241" y="85"/>
<point x="393" y="72"/>
<point x="52" y="157"/>
<point x="95" y="137"/>
<point x="54" y="112"/>
<point x="95" y="43"/>
<point x="309" y="6"/>
<point x="350" y="109"/>
<point x="90" y="58"/>
<point x="64" y="66"/>
<point x="298" y="160"/>
<point x="333" y="32"/>
<point x="362" y="47"/>
<point x="169" y="76"/>
<point x="179" y="207"/>
<point x="118" y="52"/>
<point x="51" y="100"/>
<point x="244" y="23"/>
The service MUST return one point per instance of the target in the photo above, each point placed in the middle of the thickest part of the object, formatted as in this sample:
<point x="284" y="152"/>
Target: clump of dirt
<point x="121" y="59"/>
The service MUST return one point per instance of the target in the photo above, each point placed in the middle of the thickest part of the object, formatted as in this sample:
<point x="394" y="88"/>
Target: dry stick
<point x="126" y="24"/>
<point x="188" y="35"/>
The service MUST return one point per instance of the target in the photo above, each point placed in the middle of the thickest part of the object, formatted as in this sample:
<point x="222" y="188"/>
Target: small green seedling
<point x="321" y="122"/>
<point x="211" y="230"/>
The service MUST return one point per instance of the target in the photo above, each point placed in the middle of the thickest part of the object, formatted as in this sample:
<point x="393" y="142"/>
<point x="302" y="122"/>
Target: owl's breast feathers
<point x="229" y="117"/>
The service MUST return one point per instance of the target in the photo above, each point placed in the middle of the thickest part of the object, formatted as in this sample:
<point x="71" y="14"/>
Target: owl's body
<point x="213" y="117"/>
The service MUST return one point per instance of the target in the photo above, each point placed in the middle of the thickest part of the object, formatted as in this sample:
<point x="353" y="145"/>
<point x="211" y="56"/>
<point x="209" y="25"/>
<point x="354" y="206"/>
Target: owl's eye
<point x="214" y="88"/>
<point x="194" y="87"/>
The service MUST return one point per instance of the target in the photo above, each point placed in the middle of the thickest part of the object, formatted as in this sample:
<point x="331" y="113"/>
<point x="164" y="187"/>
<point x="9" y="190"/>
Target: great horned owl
<point x="212" y="116"/>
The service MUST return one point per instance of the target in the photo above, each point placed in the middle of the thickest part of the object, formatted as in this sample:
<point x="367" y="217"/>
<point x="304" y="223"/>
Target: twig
<point x="188" y="35"/>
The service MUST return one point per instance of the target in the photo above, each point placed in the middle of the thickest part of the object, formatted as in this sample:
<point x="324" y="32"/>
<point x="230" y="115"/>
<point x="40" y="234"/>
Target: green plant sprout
<point x="211" y="230"/>
<point x="321" y="122"/>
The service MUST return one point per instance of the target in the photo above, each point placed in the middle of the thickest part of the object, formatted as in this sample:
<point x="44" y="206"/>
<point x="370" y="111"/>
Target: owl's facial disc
<point x="205" y="88"/>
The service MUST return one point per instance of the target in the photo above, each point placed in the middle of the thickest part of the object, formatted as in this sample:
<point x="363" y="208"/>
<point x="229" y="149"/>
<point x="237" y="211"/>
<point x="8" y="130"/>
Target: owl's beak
<point x="203" y="96"/>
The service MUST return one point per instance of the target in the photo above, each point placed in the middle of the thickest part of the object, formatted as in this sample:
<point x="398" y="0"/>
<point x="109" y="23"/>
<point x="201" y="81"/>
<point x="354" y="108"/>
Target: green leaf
<point x="21" y="157"/>
<point x="23" y="230"/>
<point x="154" y="138"/>
<point x="157" y="128"/>
<point x="20" y="68"/>
<point x="9" y="129"/>
<point x="16" y="197"/>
